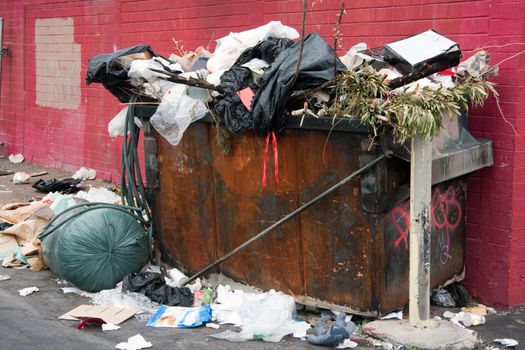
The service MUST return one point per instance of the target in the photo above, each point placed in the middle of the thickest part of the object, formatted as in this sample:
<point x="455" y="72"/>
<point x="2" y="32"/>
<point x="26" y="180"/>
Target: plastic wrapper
<point x="232" y="46"/>
<point x="94" y="249"/>
<point x="443" y="298"/>
<point x="178" y="110"/>
<point x="141" y="68"/>
<point x="85" y="174"/>
<point x="21" y="178"/>
<point x="117" y="125"/>
<point x="128" y="300"/>
<point x="99" y="194"/>
<point x="180" y="317"/>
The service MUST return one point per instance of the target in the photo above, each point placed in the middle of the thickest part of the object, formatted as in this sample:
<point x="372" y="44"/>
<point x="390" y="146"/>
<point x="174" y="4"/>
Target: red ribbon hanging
<point x="275" y="159"/>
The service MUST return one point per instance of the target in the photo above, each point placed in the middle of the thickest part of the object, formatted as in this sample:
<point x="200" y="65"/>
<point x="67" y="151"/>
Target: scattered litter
<point x="333" y="335"/>
<point x="67" y="290"/>
<point x="99" y="194"/>
<point x="480" y="309"/>
<point x="263" y="316"/>
<point x="115" y="297"/>
<point x="108" y="314"/>
<point x="68" y="185"/>
<point x="4" y="277"/>
<point x="109" y="327"/>
<point x="300" y="328"/>
<point x="507" y="342"/>
<point x="4" y="225"/>
<point x="20" y="178"/>
<point x="398" y="315"/>
<point x="180" y="317"/>
<point x="153" y="285"/>
<point x="26" y="291"/>
<point x="464" y="318"/>
<point x="16" y="158"/>
<point x="347" y="344"/>
<point x="136" y="342"/>
<point x="213" y="325"/>
<point x="442" y="297"/>
<point x="84" y="174"/>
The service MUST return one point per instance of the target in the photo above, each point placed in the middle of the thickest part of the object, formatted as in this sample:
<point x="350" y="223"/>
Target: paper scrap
<point x="347" y="344"/>
<point x="213" y="325"/>
<point x="136" y="342"/>
<point x="246" y="96"/>
<point x="26" y="291"/>
<point x="109" y="327"/>
<point x="4" y="277"/>
<point x="67" y="290"/>
<point x="300" y="328"/>
<point x="393" y="315"/>
<point x="507" y="342"/>
<point x="16" y="158"/>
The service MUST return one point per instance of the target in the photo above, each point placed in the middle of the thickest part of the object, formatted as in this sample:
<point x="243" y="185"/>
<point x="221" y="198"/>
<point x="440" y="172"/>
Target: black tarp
<point x="277" y="83"/>
<point x="105" y="70"/>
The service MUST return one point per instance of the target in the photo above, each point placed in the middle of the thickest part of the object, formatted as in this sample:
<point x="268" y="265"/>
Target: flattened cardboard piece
<point x="110" y="314"/>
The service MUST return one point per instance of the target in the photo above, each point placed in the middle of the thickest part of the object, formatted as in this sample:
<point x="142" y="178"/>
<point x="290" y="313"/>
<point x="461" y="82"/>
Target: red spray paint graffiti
<point x="446" y="216"/>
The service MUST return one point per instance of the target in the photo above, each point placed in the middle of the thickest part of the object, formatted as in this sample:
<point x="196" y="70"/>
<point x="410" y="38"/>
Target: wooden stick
<point x="175" y="78"/>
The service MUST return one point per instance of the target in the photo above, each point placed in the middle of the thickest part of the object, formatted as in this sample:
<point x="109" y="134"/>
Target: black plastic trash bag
<point x="106" y="70"/>
<point x="276" y="84"/>
<point x="154" y="286"/>
<point x="235" y="115"/>
<point x="68" y="185"/>
<point x="5" y="225"/>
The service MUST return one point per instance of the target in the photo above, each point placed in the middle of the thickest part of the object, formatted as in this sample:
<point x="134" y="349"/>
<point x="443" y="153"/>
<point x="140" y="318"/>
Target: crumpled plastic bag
<point x="141" y="68"/>
<point x="53" y="185"/>
<point x="333" y="335"/>
<point x="21" y="178"/>
<point x="180" y="107"/>
<point x="230" y="47"/>
<point x="266" y="316"/>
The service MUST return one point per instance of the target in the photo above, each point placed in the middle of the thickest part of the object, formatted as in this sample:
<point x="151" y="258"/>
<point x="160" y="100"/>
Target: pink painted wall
<point x="73" y="137"/>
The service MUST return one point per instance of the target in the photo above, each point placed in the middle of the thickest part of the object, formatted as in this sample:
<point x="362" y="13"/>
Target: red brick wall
<point x="69" y="138"/>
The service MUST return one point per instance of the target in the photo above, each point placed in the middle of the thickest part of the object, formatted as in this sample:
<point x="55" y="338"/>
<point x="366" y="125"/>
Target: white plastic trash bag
<point x="176" y="112"/>
<point x="231" y="46"/>
<point x="266" y="316"/>
<point x="117" y="124"/>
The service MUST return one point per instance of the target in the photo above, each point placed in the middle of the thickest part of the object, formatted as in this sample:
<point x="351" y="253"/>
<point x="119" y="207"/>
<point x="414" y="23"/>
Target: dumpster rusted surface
<point x="349" y="250"/>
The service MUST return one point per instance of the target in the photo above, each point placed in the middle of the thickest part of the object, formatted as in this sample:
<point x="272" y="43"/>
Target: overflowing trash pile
<point x="22" y="223"/>
<point x="257" y="79"/>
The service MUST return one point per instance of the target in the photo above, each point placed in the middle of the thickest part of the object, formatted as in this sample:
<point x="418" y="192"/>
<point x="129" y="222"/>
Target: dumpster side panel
<point x="447" y="242"/>
<point x="244" y="208"/>
<point x="336" y="237"/>
<point x="185" y="203"/>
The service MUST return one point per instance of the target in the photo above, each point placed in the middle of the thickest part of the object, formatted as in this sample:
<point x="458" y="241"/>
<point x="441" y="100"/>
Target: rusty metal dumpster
<point x="349" y="252"/>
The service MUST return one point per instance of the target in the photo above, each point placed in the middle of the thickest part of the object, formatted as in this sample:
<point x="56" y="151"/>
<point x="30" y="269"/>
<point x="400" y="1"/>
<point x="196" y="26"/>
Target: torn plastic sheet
<point x="127" y="300"/>
<point x="230" y="47"/>
<point x="179" y="107"/>
<point x="265" y="316"/>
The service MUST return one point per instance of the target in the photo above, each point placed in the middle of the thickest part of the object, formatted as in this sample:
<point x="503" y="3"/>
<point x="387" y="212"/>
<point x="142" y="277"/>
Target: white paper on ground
<point x="67" y="290"/>
<point x="16" y="158"/>
<point x="109" y="327"/>
<point x="26" y="291"/>
<point x="507" y="342"/>
<point x="4" y="277"/>
<point x="213" y="325"/>
<point x="347" y="344"/>
<point x="398" y="315"/>
<point x="136" y="342"/>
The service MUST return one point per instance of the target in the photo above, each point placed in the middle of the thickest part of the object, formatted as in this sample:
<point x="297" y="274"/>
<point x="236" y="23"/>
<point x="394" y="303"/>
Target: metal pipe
<point x="286" y="218"/>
